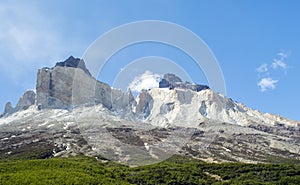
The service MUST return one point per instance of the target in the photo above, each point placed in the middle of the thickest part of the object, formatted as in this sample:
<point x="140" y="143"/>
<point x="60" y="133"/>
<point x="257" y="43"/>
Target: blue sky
<point x="255" y="42"/>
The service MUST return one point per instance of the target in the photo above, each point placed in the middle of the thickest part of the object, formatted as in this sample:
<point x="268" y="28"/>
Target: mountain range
<point x="73" y="113"/>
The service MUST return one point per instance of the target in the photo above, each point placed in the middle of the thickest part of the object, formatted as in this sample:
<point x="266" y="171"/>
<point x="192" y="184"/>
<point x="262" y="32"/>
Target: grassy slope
<point x="177" y="170"/>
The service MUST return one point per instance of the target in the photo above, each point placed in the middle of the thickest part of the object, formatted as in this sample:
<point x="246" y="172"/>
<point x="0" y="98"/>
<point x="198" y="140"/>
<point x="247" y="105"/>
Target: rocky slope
<point x="73" y="113"/>
<point x="96" y="131"/>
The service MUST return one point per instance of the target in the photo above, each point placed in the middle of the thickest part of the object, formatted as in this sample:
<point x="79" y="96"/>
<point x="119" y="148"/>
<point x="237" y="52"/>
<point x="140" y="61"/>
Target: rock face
<point x="144" y="105"/>
<point x="26" y="100"/>
<point x="69" y="83"/>
<point x="123" y="102"/>
<point x="172" y="81"/>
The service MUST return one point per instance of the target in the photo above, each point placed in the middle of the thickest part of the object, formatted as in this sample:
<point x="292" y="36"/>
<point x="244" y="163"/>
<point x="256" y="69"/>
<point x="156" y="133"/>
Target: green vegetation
<point x="176" y="170"/>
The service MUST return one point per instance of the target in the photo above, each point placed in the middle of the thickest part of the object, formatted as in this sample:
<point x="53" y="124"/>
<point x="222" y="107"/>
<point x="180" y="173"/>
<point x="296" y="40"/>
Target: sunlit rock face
<point x="188" y="108"/>
<point x="69" y="83"/>
<point x="144" y="105"/>
<point x="185" y="104"/>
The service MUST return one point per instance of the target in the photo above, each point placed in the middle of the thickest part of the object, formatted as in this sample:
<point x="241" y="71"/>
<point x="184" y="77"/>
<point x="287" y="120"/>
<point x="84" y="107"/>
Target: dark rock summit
<point x="75" y="63"/>
<point x="172" y="81"/>
<point x="172" y="78"/>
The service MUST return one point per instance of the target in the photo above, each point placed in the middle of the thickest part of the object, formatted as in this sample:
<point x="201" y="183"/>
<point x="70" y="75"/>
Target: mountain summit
<point x="75" y="63"/>
<point x="172" y="81"/>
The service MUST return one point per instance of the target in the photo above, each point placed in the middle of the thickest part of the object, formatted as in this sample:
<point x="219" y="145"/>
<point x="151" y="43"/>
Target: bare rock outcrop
<point x="68" y="84"/>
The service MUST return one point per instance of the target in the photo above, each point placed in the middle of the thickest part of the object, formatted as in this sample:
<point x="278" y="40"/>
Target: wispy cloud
<point x="279" y="62"/>
<point x="266" y="73"/>
<point x="29" y="39"/>
<point x="283" y="54"/>
<point x="267" y="84"/>
<point x="262" y="68"/>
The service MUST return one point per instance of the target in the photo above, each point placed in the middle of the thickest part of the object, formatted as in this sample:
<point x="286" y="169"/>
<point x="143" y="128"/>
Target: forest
<point x="176" y="170"/>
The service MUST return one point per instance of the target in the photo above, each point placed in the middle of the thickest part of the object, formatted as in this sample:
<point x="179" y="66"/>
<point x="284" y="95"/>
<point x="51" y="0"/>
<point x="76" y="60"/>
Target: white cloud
<point x="262" y="68"/>
<point x="267" y="74"/>
<point x="25" y="32"/>
<point x="283" y="54"/>
<point x="278" y="63"/>
<point x="267" y="84"/>
<point x="147" y="80"/>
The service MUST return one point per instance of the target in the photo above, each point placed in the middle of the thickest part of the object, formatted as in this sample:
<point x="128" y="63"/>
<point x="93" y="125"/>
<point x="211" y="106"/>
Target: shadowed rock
<point x="75" y="63"/>
<point x="172" y="81"/>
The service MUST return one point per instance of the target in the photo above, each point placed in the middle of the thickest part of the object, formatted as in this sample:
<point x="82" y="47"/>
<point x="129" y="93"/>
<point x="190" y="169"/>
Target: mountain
<point x="73" y="113"/>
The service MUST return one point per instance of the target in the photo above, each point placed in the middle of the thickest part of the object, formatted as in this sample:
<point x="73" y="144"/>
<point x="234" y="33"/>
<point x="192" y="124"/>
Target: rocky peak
<point x="75" y="63"/>
<point x="8" y="108"/>
<point x="172" y="81"/>
<point x="26" y="100"/>
<point x="172" y="78"/>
